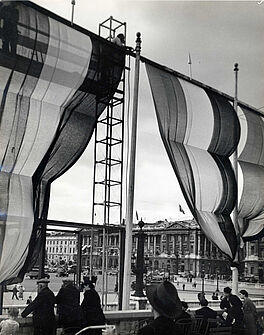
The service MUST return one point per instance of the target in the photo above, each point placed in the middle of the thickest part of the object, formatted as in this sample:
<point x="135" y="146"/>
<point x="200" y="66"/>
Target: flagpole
<point x="72" y="16"/>
<point x="131" y="181"/>
<point x="235" y="211"/>
<point x="190" y="66"/>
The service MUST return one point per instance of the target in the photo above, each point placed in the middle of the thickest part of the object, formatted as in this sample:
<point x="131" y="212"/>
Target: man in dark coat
<point x="225" y="304"/>
<point x="166" y="307"/>
<point x="206" y="313"/>
<point x="43" y="310"/>
<point x="68" y="305"/>
<point x="91" y="308"/>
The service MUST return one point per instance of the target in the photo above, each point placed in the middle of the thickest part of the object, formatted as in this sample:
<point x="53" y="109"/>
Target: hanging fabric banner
<point x="55" y="81"/>
<point x="200" y="131"/>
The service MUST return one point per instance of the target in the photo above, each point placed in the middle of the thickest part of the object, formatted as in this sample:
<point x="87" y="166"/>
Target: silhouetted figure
<point x="15" y="292"/>
<point x="184" y="314"/>
<point x="43" y="310"/>
<point x="29" y="300"/>
<point x="250" y="314"/>
<point x="235" y="316"/>
<point x="206" y="313"/>
<point x="91" y="308"/>
<point x="166" y="306"/>
<point x="68" y="305"/>
<point x="10" y="16"/>
<point x="119" y="40"/>
<point x="215" y="296"/>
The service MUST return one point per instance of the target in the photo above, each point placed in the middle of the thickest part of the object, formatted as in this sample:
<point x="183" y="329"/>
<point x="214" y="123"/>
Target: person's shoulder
<point x="146" y="330"/>
<point x="199" y="311"/>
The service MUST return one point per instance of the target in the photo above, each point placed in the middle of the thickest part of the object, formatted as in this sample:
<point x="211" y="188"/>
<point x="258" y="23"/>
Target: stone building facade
<point x="178" y="247"/>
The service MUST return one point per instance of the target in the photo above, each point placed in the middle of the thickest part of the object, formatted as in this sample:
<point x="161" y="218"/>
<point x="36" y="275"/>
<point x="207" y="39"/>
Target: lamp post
<point x="217" y="280"/>
<point x="177" y="263"/>
<point x="202" y="276"/>
<point x="140" y="268"/>
<point x="168" y="269"/>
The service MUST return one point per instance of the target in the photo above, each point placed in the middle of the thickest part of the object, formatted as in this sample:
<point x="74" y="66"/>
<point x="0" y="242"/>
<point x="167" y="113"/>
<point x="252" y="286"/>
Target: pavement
<point x="189" y="293"/>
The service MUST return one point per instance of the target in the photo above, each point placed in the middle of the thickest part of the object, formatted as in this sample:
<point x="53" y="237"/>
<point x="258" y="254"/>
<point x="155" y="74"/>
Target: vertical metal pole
<point x="140" y="264"/>
<point x="131" y="180"/>
<point x="190" y="66"/>
<point x="79" y="258"/>
<point x="121" y="267"/>
<point x="1" y="298"/>
<point x="94" y="181"/>
<point x="42" y="257"/>
<point x="235" y="211"/>
<point x="72" y="16"/>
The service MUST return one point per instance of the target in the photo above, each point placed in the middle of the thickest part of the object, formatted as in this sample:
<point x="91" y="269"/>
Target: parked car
<point x="34" y="273"/>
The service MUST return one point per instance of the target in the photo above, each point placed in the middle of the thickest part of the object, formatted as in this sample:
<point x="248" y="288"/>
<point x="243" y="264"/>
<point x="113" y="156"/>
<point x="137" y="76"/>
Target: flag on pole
<point x="181" y="209"/>
<point x="189" y="59"/>
<point x="190" y="65"/>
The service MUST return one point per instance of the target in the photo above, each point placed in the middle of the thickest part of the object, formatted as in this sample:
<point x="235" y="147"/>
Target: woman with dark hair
<point x="235" y="316"/>
<point x="250" y="314"/>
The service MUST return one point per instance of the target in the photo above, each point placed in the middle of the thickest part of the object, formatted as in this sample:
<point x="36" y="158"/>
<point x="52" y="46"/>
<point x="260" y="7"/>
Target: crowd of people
<point x="169" y="312"/>
<point x="238" y="313"/>
<point x="72" y="315"/>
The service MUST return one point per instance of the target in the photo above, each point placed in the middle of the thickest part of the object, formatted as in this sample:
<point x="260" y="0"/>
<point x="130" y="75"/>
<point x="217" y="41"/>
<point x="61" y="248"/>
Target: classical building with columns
<point x="181" y="248"/>
<point x="178" y="247"/>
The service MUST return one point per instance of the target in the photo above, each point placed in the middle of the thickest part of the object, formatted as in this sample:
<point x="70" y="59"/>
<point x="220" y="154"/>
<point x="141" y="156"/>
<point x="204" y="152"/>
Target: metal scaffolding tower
<point x="108" y="161"/>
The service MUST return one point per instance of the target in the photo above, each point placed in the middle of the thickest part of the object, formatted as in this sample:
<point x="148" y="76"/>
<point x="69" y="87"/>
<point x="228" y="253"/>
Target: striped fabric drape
<point x="54" y="83"/>
<point x="201" y="131"/>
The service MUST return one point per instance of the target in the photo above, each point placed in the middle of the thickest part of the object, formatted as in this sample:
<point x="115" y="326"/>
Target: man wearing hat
<point x="43" y="310"/>
<point x="225" y="304"/>
<point x="166" y="307"/>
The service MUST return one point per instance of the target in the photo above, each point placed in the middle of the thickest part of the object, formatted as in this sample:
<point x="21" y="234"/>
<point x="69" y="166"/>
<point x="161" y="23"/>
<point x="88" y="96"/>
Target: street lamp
<point x="140" y="268"/>
<point x="217" y="280"/>
<point x="202" y="276"/>
<point x="168" y="269"/>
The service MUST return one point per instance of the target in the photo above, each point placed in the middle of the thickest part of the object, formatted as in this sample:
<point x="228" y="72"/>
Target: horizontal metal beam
<point x="81" y="226"/>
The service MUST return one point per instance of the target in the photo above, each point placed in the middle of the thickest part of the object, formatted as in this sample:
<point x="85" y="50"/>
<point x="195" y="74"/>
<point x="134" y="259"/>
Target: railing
<point x="127" y="322"/>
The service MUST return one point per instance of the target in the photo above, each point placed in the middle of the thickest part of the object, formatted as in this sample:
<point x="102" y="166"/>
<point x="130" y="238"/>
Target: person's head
<point x="42" y="283"/>
<point x="204" y="302"/>
<point x="184" y="305"/>
<point x="30" y="297"/>
<point x="227" y="291"/>
<point x="94" y="279"/>
<point x="13" y="312"/>
<point x="121" y="37"/>
<point x="200" y="296"/>
<point x="89" y="285"/>
<point x="235" y="301"/>
<point x="243" y="294"/>
<point x="164" y="300"/>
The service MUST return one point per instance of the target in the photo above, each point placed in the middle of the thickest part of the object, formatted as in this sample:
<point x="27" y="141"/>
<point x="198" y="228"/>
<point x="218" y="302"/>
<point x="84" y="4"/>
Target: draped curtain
<point x="55" y="81"/>
<point x="200" y="131"/>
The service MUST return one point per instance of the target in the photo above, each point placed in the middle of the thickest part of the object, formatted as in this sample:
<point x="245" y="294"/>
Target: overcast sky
<point x="217" y="34"/>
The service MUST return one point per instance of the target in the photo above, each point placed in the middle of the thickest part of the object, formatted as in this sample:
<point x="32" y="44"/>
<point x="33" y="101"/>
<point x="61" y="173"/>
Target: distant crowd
<point x="170" y="314"/>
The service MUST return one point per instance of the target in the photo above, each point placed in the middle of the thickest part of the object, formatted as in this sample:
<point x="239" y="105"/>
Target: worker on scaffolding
<point x="119" y="40"/>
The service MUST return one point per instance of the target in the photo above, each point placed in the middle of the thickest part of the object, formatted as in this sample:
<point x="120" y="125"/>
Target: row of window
<point x="61" y="249"/>
<point x="57" y="241"/>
